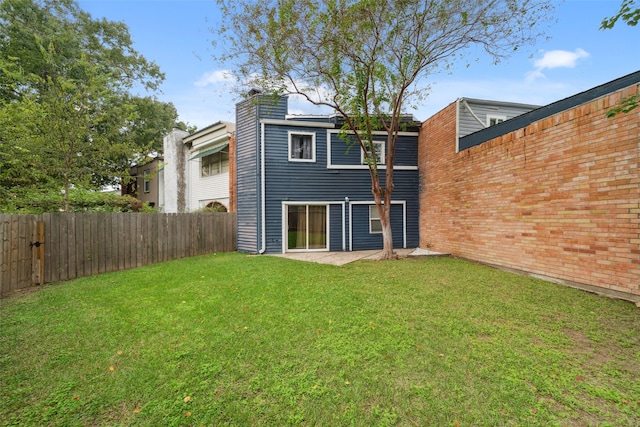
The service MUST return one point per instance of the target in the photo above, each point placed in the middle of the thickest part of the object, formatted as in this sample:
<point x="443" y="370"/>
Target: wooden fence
<point x="36" y="249"/>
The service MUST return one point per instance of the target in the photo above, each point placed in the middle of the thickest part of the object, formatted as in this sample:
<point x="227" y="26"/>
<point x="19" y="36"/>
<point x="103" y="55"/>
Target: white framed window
<point x="380" y="153"/>
<point x="302" y="147"/>
<point x="146" y="183"/>
<point x="214" y="164"/>
<point x="494" y="120"/>
<point x="375" y="225"/>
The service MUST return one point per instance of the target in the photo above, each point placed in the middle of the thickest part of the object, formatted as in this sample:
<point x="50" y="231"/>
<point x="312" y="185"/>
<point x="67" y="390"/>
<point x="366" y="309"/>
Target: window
<point x="380" y="155"/>
<point x="302" y="147"/>
<point x="375" y="225"/>
<point x="494" y="120"/>
<point x="147" y="181"/>
<point x="215" y="164"/>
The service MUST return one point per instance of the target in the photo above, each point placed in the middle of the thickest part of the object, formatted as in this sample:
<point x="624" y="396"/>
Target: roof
<point x="338" y="120"/>
<point x="213" y="150"/>
<point x="206" y="129"/>
<point x="526" y="119"/>
<point x="499" y="103"/>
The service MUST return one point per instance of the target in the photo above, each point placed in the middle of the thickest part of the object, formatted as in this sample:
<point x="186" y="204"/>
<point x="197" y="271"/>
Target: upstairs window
<point x="494" y="120"/>
<point x="146" y="181"/>
<point x="215" y="164"/>
<point x="302" y="147"/>
<point x="378" y="146"/>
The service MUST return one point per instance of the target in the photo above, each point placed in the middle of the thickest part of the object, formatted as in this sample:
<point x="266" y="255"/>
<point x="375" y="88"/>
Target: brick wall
<point x="559" y="198"/>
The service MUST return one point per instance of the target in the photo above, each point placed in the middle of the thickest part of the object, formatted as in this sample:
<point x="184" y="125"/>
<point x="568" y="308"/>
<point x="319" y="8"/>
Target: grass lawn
<point x="231" y="339"/>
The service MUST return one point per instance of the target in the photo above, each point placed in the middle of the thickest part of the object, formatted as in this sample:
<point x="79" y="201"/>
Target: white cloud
<point x="213" y="77"/>
<point x="556" y="59"/>
<point x="560" y="59"/>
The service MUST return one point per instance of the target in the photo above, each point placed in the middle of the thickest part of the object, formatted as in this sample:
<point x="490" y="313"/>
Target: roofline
<point x="204" y="130"/>
<point x="538" y="114"/>
<point x="500" y="103"/>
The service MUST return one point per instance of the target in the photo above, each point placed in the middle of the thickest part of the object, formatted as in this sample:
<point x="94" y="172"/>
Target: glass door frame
<point x="285" y="226"/>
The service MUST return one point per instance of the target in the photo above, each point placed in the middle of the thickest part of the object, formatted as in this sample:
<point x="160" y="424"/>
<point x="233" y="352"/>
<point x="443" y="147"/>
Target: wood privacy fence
<point x="37" y="249"/>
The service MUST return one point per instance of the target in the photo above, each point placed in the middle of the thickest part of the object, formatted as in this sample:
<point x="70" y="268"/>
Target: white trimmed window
<point x="380" y="153"/>
<point x="302" y="147"/>
<point x="146" y="181"/>
<point x="375" y="225"/>
<point x="215" y="163"/>
<point x="494" y="120"/>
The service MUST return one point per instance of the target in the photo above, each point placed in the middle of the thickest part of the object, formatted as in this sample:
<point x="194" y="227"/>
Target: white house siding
<point x="161" y="190"/>
<point x="481" y="109"/>
<point x="203" y="190"/>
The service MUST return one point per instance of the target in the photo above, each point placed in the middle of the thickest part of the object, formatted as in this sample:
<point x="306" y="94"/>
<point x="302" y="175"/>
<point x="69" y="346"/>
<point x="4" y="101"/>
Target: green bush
<point x="80" y="200"/>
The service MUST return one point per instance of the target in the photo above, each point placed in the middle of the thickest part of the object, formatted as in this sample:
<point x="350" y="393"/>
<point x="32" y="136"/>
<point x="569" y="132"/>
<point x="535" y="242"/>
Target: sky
<point x="573" y="57"/>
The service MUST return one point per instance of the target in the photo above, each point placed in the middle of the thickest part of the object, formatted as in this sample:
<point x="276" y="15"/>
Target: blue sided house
<point x="301" y="188"/>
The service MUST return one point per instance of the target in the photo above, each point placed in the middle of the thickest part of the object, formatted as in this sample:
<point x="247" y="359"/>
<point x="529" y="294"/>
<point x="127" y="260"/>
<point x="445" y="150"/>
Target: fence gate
<point x="21" y="252"/>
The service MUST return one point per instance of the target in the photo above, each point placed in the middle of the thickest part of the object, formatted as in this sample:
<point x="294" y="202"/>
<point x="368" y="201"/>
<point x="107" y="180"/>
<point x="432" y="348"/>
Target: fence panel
<point x="19" y="268"/>
<point x="85" y="244"/>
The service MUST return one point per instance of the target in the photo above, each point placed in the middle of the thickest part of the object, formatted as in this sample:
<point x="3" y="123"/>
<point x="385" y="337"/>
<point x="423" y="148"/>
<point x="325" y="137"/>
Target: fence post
<point x="38" y="259"/>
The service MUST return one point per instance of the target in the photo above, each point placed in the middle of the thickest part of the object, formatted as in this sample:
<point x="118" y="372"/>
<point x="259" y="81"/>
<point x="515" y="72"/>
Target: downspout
<point x="263" y="203"/>
<point x="458" y="125"/>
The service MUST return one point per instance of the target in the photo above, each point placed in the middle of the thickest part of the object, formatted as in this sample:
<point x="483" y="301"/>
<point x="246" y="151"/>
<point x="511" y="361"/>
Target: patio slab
<point x="342" y="258"/>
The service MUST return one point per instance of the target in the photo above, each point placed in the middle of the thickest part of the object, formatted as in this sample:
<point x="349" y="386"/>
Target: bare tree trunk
<point x="385" y="207"/>
<point x="387" y="240"/>
<point x="384" y="210"/>
<point x="66" y="196"/>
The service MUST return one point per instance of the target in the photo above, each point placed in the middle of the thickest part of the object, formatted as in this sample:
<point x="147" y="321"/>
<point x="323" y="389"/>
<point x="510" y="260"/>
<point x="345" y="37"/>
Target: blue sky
<point x="576" y="56"/>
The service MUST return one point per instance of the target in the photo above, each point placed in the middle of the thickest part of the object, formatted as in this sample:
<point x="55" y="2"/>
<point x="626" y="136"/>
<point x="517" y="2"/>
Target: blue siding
<point x="248" y="114"/>
<point x="344" y="154"/>
<point x="312" y="182"/>
<point x="363" y="240"/>
<point x="309" y="182"/>
<point x="247" y="174"/>
<point x="335" y="230"/>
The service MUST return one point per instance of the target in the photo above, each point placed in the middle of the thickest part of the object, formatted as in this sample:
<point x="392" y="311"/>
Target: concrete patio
<point x="341" y="258"/>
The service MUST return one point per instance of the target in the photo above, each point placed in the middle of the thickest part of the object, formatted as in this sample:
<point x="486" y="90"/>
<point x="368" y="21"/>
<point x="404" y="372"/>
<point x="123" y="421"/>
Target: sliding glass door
<point x="306" y="227"/>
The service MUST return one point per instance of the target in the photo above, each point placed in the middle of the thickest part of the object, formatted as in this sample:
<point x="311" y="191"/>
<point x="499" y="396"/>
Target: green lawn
<point x="231" y="339"/>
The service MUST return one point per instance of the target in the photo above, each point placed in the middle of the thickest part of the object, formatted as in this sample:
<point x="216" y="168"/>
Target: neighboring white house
<point x="196" y="168"/>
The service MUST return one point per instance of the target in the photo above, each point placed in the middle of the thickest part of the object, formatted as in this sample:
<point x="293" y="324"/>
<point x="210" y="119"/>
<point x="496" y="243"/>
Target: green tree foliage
<point x="68" y="116"/>
<point x="368" y="59"/>
<point x="629" y="15"/>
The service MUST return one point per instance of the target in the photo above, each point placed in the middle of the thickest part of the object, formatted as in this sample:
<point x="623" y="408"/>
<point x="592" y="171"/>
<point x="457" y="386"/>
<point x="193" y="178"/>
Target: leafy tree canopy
<point x="68" y="111"/>
<point x="630" y="16"/>
<point x="628" y="13"/>
<point x="368" y="60"/>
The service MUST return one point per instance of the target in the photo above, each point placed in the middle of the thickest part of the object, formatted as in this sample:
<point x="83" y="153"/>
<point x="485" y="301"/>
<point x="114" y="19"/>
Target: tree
<point x="627" y="13"/>
<point x="630" y="16"/>
<point x="66" y="81"/>
<point x="367" y="59"/>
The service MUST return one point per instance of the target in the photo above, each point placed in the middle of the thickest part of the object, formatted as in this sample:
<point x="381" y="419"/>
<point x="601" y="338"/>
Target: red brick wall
<point x="560" y="198"/>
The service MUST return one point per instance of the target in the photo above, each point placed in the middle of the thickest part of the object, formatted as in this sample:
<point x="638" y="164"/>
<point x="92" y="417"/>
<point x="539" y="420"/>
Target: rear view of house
<point x="300" y="187"/>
